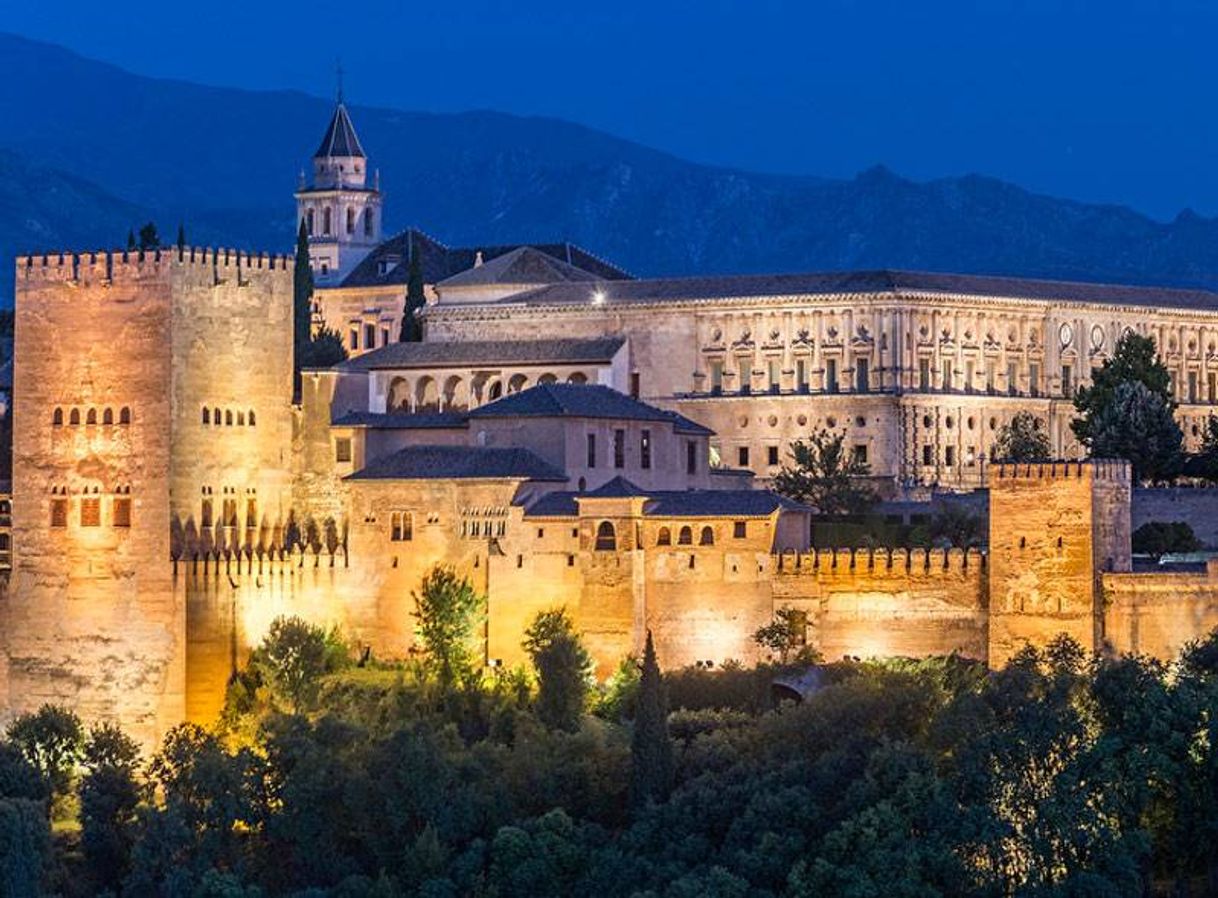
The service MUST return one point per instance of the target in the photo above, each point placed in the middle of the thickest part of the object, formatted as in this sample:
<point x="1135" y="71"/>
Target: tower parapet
<point x="1055" y="528"/>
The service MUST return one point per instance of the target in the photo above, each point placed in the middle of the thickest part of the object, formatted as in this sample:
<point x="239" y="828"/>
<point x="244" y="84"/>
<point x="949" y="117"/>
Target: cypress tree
<point x="302" y="306"/>
<point x="412" y="330"/>
<point x="650" y="746"/>
<point x="181" y="235"/>
<point x="130" y="239"/>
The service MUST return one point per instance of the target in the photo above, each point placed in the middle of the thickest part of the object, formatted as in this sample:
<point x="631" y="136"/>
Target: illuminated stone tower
<point x="1055" y="528"/>
<point x="341" y="213"/>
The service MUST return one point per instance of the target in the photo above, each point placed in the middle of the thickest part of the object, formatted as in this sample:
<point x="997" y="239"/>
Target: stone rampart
<point x="871" y="602"/>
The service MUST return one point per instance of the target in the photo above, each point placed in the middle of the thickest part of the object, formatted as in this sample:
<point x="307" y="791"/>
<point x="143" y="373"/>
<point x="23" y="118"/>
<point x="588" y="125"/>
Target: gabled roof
<point x="401" y="420"/>
<point x="892" y="283"/>
<point x="523" y="265"/>
<point x="675" y="503"/>
<point x="487" y="353"/>
<point x="617" y="488"/>
<point x="459" y="463"/>
<point x="571" y="401"/>
<point x="340" y="139"/>
<point x="438" y="262"/>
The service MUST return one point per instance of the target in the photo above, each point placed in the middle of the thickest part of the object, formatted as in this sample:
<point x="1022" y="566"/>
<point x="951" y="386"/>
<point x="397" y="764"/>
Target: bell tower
<point x="340" y="212"/>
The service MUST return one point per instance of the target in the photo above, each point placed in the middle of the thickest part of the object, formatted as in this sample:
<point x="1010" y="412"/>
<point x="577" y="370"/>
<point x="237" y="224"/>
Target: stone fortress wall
<point x="153" y="422"/>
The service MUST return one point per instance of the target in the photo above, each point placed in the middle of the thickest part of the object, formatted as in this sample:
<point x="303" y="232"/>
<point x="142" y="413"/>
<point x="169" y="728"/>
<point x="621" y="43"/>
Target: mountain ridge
<point x="89" y="149"/>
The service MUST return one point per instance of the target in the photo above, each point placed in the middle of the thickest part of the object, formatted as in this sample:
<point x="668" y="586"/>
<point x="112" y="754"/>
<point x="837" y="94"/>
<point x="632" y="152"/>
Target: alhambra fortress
<point x="564" y="435"/>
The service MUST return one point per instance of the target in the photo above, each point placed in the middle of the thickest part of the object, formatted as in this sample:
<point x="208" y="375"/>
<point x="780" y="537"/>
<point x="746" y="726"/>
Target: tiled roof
<point x="340" y="139"/>
<point x="617" y="488"/>
<point x="677" y="504"/>
<point x="400" y="421"/>
<point x="438" y="262"/>
<point x="486" y="352"/>
<point x="571" y="401"/>
<point x="894" y="283"/>
<point x="458" y="463"/>
<point x="682" y="424"/>
<point x="523" y="265"/>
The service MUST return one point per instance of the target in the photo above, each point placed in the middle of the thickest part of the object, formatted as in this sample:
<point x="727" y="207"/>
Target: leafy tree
<point x="1159" y="538"/>
<point x="447" y="609"/>
<point x="324" y="350"/>
<point x="51" y="739"/>
<point x="412" y="328"/>
<point x="25" y="847"/>
<point x="784" y="635"/>
<point x="294" y="656"/>
<point x="956" y="526"/>
<point x="302" y="303"/>
<point x="1022" y="439"/>
<point x="1204" y="463"/>
<point x="564" y="669"/>
<point x="1138" y="425"/>
<point x="651" y="766"/>
<point x="1127" y="412"/>
<point x="826" y="475"/>
<point x="110" y="793"/>
<point x="148" y="238"/>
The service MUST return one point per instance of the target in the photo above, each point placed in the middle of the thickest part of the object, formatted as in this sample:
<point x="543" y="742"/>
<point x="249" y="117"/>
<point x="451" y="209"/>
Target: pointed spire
<point x="340" y="139"/>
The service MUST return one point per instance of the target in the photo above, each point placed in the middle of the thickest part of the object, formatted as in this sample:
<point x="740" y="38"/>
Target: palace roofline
<point x="892" y="282"/>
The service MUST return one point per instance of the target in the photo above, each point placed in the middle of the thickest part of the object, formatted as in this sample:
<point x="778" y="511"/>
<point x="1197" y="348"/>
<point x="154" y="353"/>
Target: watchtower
<point x="1055" y="527"/>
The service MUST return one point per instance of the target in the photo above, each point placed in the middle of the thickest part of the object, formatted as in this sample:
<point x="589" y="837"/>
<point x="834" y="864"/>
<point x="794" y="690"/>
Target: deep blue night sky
<point x="1103" y="101"/>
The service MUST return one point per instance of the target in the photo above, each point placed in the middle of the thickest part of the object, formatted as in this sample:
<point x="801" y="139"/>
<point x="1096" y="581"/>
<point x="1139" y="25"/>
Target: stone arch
<point x="228" y="417"/>
<point x="74" y="416"/>
<point x="547" y="378"/>
<point x="399" y="395"/>
<point x="206" y="415"/>
<point x="124" y="415"/>
<point x="577" y="377"/>
<point x="517" y="383"/>
<point x="251" y="418"/>
<point x="686" y="536"/>
<point x="427" y="395"/>
<point x="57" y="417"/>
<point x="108" y="415"/>
<point x="456" y="394"/>
<point x="707" y="536"/>
<point x="606" y="537"/>
<point x="664" y="537"/>
<point x="494" y="391"/>
<point x="91" y="416"/>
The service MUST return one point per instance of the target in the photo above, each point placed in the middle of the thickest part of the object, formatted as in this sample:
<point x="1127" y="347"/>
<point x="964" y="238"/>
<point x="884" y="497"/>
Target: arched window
<point x="206" y="415"/>
<point x="57" y="418"/>
<point x="228" y="418"/>
<point x="606" y="538"/>
<point x="685" y="537"/>
<point x="577" y="377"/>
<point x="325" y="221"/>
<point x="251" y="418"/>
<point x="707" y="537"/>
<point x="664" y="538"/>
<point x="309" y="224"/>
<point x="368" y="223"/>
<point x="216" y="418"/>
<point x="240" y="419"/>
<point x="350" y="220"/>
<point x="108" y="416"/>
<point x="91" y="416"/>
<point x="547" y="378"/>
<point x="124" y="415"/>
<point x="74" y="416"/>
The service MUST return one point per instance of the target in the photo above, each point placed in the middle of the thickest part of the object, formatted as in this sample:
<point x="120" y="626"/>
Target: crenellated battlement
<point x="1096" y="469"/>
<point x="824" y="563"/>
<point x="112" y="265"/>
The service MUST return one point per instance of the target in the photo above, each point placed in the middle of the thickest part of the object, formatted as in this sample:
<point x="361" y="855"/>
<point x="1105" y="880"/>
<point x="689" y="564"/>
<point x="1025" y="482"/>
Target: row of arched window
<point x="75" y="417"/>
<point x="228" y="417"/>
<point x="606" y="537"/>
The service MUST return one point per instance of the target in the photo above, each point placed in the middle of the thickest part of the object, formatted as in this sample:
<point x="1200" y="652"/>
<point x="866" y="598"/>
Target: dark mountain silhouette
<point x="89" y="150"/>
